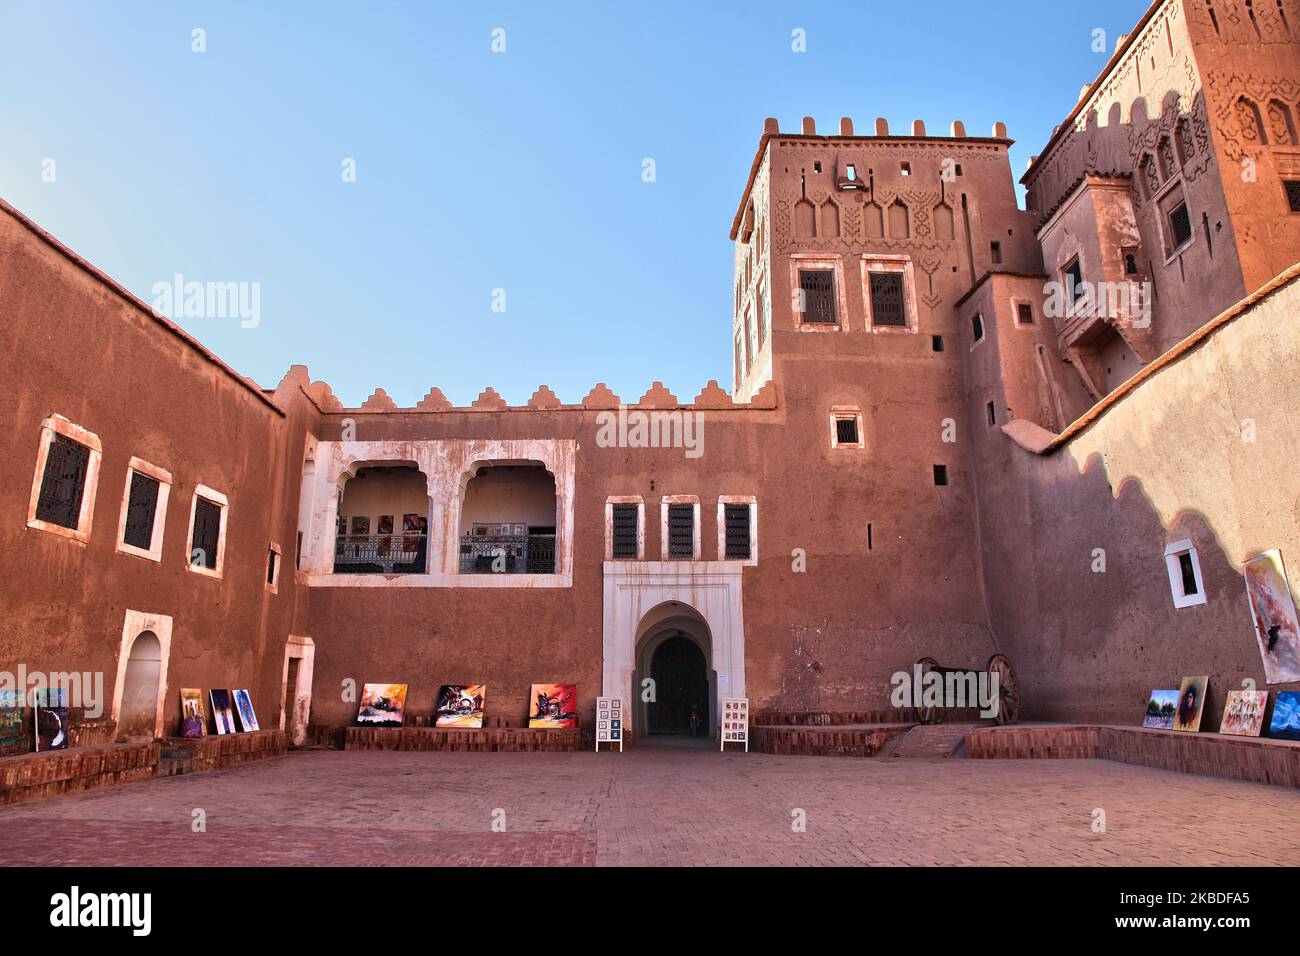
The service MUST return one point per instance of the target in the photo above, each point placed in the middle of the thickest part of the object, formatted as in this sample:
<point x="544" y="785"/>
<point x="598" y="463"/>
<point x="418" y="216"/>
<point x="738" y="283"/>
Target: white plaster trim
<point x="135" y="623"/>
<point x="446" y="464"/>
<point x="806" y="260"/>
<point x="696" y="544"/>
<point x="610" y="502"/>
<point x="164" y="479"/>
<point x="632" y="590"/>
<point x="57" y="424"/>
<point x="1175" y="570"/>
<point x="723" y="501"/>
<point x="304" y="649"/>
<point x="839" y="412"/>
<point x="217" y="498"/>
<point x="1016" y="302"/>
<point x="895" y="265"/>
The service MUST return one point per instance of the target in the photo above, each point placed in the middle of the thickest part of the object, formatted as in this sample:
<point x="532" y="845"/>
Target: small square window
<point x="846" y="431"/>
<point x="977" y="327"/>
<point x="1184" y="569"/>
<point x="940" y="474"/>
<point x="207" y="532"/>
<point x="992" y="413"/>
<point x="995" y="250"/>
<point x="1024" y="313"/>
<point x="936" y="343"/>
<point x="905" y="168"/>
<point x="63" y="482"/>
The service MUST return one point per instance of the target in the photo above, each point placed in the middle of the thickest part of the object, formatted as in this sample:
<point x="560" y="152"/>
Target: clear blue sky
<point x="476" y="170"/>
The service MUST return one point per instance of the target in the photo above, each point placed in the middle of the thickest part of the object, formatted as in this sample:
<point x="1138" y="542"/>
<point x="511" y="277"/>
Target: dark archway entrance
<point x="681" y="677"/>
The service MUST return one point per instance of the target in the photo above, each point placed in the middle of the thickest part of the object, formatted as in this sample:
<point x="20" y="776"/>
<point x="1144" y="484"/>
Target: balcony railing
<point x="380" y="553"/>
<point x="507" y="554"/>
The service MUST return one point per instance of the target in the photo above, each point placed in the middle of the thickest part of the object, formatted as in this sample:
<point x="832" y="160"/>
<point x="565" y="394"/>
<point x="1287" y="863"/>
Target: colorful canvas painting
<point x="193" y="720"/>
<point x="1243" y="714"/>
<point x="461" y="705"/>
<point x="1276" y="627"/>
<point x="1160" y="709"/>
<point x="554" y="706"/>
<point x="1286" y="715"/>
<point x="1191" y="704"/>
<point x="13" y="737"/>
<point x="222" y="716"/>
<point x="244" y="708"/>
<point x="382" y="705"/>
<point x="51" y="718"/>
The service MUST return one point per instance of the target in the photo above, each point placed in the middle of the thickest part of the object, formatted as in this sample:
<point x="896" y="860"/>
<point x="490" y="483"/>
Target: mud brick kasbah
<point x="921" y="453"/>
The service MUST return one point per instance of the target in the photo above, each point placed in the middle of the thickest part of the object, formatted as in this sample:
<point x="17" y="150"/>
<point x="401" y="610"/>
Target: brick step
<point x="933" y="740"/>
<point x="174" y="764"/>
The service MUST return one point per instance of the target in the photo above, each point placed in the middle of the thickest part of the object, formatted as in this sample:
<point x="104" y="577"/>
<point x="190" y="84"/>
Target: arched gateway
<point x="681" y="625"/>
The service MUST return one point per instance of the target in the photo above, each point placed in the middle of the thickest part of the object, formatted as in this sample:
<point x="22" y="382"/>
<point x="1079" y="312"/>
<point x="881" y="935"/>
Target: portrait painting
<point x="1191" y="704"/>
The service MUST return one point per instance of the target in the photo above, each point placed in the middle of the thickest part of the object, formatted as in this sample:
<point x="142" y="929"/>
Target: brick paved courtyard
<point x="661" y="806"/>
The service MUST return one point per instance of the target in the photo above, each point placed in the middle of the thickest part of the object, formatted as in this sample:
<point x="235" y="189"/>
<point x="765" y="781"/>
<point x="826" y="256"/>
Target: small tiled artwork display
<point x="735" y="722"/>
<point x="609" y="721"/>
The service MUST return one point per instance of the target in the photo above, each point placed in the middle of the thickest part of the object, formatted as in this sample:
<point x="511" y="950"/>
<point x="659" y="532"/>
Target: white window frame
<point x="58" y="425"/>
<point x="217" y="498"/>
<point x="274" y="584"/>
<point x="164" y="479"/>
<point x="1174" y="567"/>
<point x="664" y="502"/>
<point x="896" y="265"/>
<point x="839" y="412"/>
<point x="723" y="501"/>
<point x="610" y="502"/>
<point x="814" y="261"/>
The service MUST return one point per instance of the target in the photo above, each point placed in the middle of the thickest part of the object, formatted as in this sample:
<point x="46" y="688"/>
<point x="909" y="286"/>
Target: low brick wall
<point x="832" y="741"/>
<point x="223" y="750"/>
<point x="35" y="775"/>
<point x="500" y="739"/>
<point x="837" y="718"/>
<point x="1256" y="759"/>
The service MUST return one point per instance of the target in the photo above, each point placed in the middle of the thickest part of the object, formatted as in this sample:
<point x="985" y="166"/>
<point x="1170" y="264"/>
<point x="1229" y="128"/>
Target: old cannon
<point x="999" y="673"/>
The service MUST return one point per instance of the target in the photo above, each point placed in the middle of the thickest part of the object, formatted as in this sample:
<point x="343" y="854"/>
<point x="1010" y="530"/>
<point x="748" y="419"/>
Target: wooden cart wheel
<point x="1008" y="689"/>
<point x="927" y="715"/>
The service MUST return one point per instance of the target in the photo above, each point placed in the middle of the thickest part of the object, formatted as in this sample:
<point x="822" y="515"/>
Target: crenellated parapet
<point x="712" y="397"/>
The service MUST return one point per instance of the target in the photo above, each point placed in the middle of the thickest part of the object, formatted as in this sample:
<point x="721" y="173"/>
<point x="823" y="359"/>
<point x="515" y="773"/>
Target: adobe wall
<point x="1167" y="461"/>
<point x="827" y="637"/>
<point x="73" y="344"/>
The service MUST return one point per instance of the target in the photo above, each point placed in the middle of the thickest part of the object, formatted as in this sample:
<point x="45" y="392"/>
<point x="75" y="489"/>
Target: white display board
<point x="609" y="721"/>
<point x="735" y="722"/>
